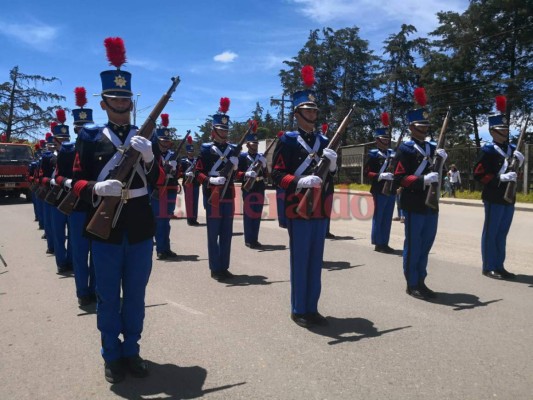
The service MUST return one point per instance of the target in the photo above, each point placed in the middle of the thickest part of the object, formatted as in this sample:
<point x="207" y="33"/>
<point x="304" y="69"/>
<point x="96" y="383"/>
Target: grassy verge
<point x="465" y="194"/>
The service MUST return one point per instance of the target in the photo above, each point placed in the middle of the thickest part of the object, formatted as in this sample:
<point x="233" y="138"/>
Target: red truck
<point x="14" y="161"/>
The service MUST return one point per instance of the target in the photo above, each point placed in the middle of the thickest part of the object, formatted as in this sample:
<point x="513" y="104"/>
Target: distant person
<point x="454" y="177"/>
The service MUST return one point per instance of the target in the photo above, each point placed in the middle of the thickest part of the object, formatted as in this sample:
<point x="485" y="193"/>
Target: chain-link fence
<point x="353" y="159"/>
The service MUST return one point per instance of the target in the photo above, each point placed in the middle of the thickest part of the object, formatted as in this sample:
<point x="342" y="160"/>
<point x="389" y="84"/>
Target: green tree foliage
<point x="23" y="112"/>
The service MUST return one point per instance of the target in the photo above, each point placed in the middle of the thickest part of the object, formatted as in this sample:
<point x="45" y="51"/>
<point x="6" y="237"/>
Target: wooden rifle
<point x="257" y="168"/>
<point x="108" y="211"/>
<point x="433" y="195"/>
<point x="227" y="169"/>
<point x="168" y="170"/>
<point x="53" y="195"/>
<point x="510" y="190"/>
<point x="387" y="185"/>
<point x="311" y="197"/>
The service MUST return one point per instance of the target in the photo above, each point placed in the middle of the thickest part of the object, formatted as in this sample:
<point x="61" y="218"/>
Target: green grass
<point x="465" y="194"/>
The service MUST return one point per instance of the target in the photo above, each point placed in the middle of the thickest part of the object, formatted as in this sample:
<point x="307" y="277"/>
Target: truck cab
<point x="14" y="161"/>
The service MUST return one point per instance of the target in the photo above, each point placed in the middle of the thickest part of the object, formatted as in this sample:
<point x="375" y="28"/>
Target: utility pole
<point x="135" y="101"/>
<point x="282" y="101"/>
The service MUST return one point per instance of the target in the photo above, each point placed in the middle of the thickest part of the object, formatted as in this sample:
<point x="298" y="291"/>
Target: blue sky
<point x="219" y="49"/>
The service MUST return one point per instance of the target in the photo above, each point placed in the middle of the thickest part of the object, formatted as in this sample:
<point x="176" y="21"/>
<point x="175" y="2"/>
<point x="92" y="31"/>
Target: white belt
<point x="259" y="178"/>
<point x="133" y="193"/>
<point x="215" y="173"/>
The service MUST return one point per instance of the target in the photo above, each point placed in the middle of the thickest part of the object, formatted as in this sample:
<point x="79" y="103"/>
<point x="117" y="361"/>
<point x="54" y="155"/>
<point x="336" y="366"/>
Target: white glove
<point x="431" y="178"/>
<point x="508" y="177"/>
<point x="520" y="157"/>
<point x="442" y="153"/>
<point x="217" y="180"/>
<point x="235" y="161"/>
<point x="173" y="164"/>
<point x="331" y="155"/>
<point x="111" y="187"/>
<point x="189" y="174"/>
<point x="53" y="182"/>
<point x="68" y="184"/>
<point x="251" y="174"/>
<point x="263" y="160"/>
<point x="386" y="176"/>
<point x="309" y="181"/>
<point x="143" y="146"/>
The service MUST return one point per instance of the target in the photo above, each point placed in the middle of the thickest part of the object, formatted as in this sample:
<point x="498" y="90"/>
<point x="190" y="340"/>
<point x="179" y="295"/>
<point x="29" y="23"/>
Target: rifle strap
<point x="222" y="158"/>
<point x="505" y="156"/>
<point x="426" y="154"/>
<point x="312" y="155"/>
<point x="385" y="163"/>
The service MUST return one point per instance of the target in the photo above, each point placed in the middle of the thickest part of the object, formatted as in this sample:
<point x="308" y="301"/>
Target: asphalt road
<point x="235" y="340"/>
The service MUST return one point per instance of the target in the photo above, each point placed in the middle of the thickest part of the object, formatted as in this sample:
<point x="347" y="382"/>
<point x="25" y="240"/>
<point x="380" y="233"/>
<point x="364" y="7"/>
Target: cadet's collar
<point x="120" y="130"/>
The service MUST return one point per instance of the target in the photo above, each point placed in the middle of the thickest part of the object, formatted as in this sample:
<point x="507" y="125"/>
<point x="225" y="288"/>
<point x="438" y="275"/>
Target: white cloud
<point x="225" y="57"/>
<point x="146" y="64"/>
<point x="37" y="35"/>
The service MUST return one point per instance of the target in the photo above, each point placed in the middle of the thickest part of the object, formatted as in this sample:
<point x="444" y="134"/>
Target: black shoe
<point x="330" y="235"/>
<point x="84" y="301"/>
<point x="44" y="236"/>
<point x="317" y="319"/>
<point x="415" y="292"/>
<point x="282" y="226"/>
<point x="114" y="371"/>
<point x="136" y="366"/>
<point x="65" y="268"/>
<point x="227" y="274"/>
<point x="384" y="248"/>
<point x="170" y="254"/>
<point x="302" y="320"/>
<point x="493" y="274"/>
<point x="218" y="276"/>
<point x="48" y="251"/>
<point x="193" y="223"/>
<point x="254" y="245"/>
<point x="162" y="256"/>
<point x="427" y="292"/>
<point x="506" y="274"/>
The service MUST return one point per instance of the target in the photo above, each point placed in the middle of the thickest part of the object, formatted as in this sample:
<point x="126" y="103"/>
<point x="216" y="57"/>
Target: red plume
<point x="47" y="135"/>
<point x="164" y="120"/>
<point x="501" y="103"/>
<point x="115" y="51"/>
<point x="224" y="105"/>
<point x="37" y="146"/>
<point x="253" y="124"/>
<point x="325" y="128"/>
<point x="385" y="119"/>
<point x="60" y="116"/>
<point x="189" y="139"/>
<point x="308" y="75"/>
<point x="42" y="142"/>
<point x="3" y="137"/>
<point x="53" y="124"/>
<point x="420" y="96"/>
<point x="81" y="96"/>
<point x="280" y="134"/>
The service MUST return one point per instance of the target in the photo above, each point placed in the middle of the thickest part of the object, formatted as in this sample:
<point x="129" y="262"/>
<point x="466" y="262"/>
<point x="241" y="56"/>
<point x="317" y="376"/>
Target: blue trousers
<point x="35" y="207"/>
<point x="252" y="211"/>
<point x="82" y="263"/>
<point x="280" y="203"/>
<point x="162" y="211"/>
<point x="192" y="193"/>
<point x="219" y="234"/>
<point x="498" y="219"/>
<point x="48" y="228"/>
<point x="420" y="232"/>
<point x="62" y="245"/>
<point x="39" y="208"/>
<point x="306" y="241"/>
<point x="124" y="266"/>
<point x="382" y="218"/>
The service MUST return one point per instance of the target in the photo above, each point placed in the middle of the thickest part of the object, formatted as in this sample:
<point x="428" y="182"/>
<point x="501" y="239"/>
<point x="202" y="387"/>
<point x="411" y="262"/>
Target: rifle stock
<point x="387" y="186"/>
<point x="433" y="195"/>
<point x="510" y="190"/>
<point x="311" y="198"/>
<point x="53" y="195"/>
<point x="104" y="218"/>
<point x="256" y="167"/>
<point x="68" y="203"/>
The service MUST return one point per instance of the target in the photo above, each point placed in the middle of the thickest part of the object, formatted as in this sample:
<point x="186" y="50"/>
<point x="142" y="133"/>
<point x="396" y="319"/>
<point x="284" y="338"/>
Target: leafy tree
<point x="22" y="112"/>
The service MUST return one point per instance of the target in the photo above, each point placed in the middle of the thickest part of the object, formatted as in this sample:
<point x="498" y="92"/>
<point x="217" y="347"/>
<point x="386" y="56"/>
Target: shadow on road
<point x="167" y="381"/>
<point x="272" y="247"/>
<point x="338" y="265"/>
<point x="343" y="330"/>
<point x="249" y="280"/>
<point x="343" y="238"/>
<point x="238" y="234"/>
<point x="527" y="279"/>
<point x="182" y="257"/>
<point x="460" y="301"/>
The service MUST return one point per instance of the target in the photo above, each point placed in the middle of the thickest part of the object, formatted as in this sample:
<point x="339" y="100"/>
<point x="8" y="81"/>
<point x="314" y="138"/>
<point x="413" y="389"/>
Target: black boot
<point x="114" y="371"/>
<point x="136" y="366"/>
<point x="430" y="294"/>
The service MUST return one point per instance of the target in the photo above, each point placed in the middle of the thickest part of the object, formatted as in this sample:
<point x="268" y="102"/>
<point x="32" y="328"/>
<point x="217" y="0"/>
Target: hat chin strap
<point x="128" y="109"/>
<point x="313" y="122"/>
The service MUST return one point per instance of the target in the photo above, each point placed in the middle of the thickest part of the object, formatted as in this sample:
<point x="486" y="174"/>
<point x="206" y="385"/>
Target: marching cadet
<point x="64" y="163"/>
<point x="164" y="196"/>
<point x="191" y="187"/>
<point x="47" y="167"/>
<point x="219" y="205"/>
<point x="36" y="182"/>
<point x="413" y="173"/>
<point x="83" y="265"/>
<point x="376" y="170"/>
<point x="254" y="198"/>
<point x="124" y="260"/>
<point x="295" y="156"/>
<point x="491" y="171"/>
